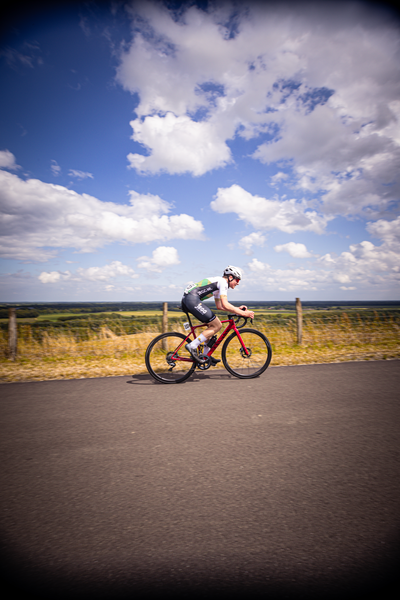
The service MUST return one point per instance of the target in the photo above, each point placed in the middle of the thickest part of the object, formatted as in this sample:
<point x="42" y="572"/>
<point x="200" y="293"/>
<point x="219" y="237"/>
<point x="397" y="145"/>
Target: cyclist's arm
<point x="223" y="304"/>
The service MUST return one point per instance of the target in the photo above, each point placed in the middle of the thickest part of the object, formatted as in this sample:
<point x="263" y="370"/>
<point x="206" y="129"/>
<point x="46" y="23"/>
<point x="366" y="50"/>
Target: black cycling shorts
<point x="201" y="311"/>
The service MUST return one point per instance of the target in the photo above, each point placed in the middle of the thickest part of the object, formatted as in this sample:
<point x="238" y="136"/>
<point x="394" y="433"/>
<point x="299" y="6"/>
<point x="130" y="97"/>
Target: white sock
<point x="206" y="349"/>
<point x="200" y="340"/>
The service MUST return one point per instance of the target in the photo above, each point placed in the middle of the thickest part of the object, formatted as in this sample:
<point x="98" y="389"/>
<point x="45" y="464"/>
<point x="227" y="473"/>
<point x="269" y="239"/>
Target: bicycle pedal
<point x="214" y="361"/>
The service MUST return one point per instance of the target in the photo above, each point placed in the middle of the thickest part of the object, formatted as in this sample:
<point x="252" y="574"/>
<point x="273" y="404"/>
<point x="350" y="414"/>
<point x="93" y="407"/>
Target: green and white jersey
<point x="213" y="286"/>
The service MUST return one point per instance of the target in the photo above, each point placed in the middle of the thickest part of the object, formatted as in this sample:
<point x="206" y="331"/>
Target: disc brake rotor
<point x="169" y="360"/>
<point x="243" y="353"/>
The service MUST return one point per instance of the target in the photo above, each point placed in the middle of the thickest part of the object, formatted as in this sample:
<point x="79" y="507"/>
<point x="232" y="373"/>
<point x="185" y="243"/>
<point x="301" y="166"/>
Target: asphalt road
<point x="285" y="486"/>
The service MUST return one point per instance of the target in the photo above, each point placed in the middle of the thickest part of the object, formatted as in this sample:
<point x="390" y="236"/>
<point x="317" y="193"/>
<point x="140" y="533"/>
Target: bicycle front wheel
<point x="254" y="362"/>
<point x="167" y="359"/>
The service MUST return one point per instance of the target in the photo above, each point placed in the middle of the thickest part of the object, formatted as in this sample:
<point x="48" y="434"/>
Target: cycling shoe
<point x="193" y="353"/>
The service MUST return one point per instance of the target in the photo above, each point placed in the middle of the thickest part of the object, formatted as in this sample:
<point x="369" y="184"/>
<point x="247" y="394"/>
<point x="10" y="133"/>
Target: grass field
<point x="62" y="354"/>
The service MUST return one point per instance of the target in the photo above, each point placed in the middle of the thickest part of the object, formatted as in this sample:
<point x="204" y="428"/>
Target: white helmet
<point x="234" y="271"/>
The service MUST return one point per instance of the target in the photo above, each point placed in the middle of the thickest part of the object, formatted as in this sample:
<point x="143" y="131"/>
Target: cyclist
<point x="192" y="302"/>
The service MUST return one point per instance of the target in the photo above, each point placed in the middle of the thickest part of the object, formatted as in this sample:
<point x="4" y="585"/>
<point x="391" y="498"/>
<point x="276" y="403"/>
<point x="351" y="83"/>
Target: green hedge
<point x="22" y="313"/>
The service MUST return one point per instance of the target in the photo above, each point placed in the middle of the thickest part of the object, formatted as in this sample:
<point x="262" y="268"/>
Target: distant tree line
<point x="24" y="313"/>
<point x="42" y="308"/>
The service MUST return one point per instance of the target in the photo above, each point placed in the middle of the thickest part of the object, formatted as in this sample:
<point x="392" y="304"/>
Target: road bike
<point x="246" y="353"/>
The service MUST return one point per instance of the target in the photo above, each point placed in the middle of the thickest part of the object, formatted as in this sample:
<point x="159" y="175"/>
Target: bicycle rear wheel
<point x="242" y="365"/>
<point x="163" y="358"/>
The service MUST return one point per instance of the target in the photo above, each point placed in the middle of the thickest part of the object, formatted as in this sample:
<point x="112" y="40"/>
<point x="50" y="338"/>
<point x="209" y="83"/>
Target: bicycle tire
<point x="156" y="359"/>
<point x="240" y="365"/>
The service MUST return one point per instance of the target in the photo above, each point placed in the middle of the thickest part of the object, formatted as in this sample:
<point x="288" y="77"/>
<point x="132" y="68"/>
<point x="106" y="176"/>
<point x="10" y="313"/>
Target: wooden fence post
<point x="299" y="321"/>
<point x="12" y="333"/>
<point x="165" y="324"/>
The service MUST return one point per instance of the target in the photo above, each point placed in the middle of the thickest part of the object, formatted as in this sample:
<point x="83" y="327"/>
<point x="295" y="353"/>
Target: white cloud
<point x="38" y="218"/>
<point x="365" y="262"/>
<point x="80" y="174"/>
<point x="28" y="57"/>
<point x="363" y="266"/>
<point x="83" y="24"/>
<point x="287" y="215"/>
<point x="253" y="239"/>
<point x="163" y="257"/>
<point x="148" y="206"/>
<point x="114" y="269"/>
<point x="278" y="177"/>
<point x="95" y="274"/>
<point x="55" y="168"/>
<point x="321" y="79"/>
<point x="388" y="231"/>
<point x="295" y="250"/>
<point x="178" y="145"/>
<point x="7" y="160"/>
<point x="268" y="278"/>
<point x="51" y="277"/>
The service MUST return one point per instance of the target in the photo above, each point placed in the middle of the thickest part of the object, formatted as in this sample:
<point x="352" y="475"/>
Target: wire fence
<point x="340" y="330"/>
<point x="116" y="340"/>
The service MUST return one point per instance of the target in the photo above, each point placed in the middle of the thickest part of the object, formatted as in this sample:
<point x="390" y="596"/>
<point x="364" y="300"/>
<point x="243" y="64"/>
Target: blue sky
<point x="144" y="146"/>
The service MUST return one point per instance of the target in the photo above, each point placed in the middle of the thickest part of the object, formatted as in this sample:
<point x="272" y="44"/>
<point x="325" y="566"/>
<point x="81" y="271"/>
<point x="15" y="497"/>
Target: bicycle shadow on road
<point x="145" y="379"/>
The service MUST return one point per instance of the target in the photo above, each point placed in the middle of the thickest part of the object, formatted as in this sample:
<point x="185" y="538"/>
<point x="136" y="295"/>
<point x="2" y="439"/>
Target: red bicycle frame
<point x="232" y="325"/>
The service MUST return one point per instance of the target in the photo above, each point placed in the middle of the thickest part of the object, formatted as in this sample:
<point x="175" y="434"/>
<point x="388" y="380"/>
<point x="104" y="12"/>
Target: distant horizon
<point x="338" y="301"/>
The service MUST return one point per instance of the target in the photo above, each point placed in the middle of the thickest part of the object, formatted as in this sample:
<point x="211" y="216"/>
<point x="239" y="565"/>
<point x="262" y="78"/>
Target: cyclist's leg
<point x="213" y="327"/>
<point x="203" y="313"/>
